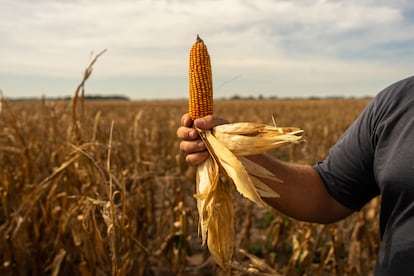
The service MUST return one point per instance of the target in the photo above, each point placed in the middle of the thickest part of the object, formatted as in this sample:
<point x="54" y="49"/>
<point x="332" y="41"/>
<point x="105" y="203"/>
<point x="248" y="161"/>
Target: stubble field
<point x="101" y="188"/>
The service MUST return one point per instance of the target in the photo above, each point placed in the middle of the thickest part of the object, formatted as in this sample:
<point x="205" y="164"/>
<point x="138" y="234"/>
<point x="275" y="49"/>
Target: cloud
<point x="298" y="42"/>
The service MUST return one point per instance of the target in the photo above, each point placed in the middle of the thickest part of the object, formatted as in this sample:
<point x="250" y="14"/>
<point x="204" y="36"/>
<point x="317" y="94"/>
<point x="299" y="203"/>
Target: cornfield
<point x="101" y="188"/>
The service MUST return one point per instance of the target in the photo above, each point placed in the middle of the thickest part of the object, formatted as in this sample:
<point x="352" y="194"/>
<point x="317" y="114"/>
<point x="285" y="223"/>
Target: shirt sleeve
<point x="347" y="172"/>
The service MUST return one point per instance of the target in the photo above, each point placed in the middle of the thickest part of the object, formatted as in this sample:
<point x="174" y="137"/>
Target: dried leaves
<point x="226" y="144"/>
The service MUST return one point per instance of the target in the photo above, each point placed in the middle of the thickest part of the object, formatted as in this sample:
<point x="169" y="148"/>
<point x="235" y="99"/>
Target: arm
<point x="303" y="195"/>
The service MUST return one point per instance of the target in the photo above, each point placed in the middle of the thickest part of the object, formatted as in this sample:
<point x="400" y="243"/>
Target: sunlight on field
<point x="108" y="192"/>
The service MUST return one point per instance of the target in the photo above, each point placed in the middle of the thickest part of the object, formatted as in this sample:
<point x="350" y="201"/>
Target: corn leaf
<point x="252" y="138"/>
<point x="232" y="167"/>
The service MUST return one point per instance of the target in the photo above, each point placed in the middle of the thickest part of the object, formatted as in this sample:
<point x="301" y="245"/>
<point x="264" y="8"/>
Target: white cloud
<point x="261" y="40"/>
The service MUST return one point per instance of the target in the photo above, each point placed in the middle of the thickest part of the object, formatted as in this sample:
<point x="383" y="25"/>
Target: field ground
<point x="101" y="188"/>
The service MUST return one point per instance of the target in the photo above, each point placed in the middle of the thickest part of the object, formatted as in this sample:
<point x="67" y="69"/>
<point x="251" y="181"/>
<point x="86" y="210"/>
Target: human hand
<point x="191" y="144"/>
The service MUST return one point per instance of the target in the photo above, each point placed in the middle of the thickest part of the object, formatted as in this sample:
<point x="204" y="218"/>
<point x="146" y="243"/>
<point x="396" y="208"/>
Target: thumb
<point x="208" y="122"/>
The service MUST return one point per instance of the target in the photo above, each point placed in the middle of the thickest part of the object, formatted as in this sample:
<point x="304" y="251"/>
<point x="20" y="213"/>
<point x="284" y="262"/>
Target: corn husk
<point x="253" y="138"/>
<point x="227" y="144"/>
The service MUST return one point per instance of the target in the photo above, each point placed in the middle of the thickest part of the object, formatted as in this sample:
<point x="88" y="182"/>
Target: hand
<point x="191" y="142"/>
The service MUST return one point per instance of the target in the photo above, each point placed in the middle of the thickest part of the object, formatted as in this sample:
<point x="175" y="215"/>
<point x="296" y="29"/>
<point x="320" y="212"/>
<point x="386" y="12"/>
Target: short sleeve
<point x="347" y="172"/>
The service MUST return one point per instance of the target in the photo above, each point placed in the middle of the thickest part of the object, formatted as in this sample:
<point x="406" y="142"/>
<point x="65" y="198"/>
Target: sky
<point x="269" y="48"/>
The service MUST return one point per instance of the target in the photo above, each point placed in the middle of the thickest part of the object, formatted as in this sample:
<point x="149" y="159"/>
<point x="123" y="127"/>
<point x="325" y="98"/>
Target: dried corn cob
<point x="201" y="81"/>
<point x="227" y="144"/>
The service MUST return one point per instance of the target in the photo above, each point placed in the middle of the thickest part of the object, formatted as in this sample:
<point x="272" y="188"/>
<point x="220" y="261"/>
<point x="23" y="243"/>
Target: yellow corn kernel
<point x="200" y="102"/>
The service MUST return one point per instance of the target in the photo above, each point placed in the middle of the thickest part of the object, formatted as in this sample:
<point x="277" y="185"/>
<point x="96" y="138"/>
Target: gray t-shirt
<point x="375" y="156"/>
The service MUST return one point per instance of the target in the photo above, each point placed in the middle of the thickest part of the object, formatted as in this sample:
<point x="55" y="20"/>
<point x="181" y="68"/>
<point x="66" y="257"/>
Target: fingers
<point x="190" y="147"/>
<point x="204" y="123"/>
<point x="191" y="143"/>
<point x="186" y="120"/>
<point x="196" y="158"/>
<point x="209" y="122"/>
<point x="195" y="150"/>
<point x="187" y="133"/>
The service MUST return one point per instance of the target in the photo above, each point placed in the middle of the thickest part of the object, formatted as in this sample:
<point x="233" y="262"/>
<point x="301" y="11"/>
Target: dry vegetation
<point x="101" y="188"/>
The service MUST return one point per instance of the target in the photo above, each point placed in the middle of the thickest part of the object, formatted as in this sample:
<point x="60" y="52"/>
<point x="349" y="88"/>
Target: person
<point x="374" y="156"/>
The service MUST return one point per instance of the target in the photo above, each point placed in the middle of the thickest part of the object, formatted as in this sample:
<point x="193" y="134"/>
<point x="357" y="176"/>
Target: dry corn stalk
<point x="227" y="145"/>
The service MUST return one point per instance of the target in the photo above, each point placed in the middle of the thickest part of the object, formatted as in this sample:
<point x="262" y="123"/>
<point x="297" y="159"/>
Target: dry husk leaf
<point x="253" y="138"/>
<point x="227" y="144"/>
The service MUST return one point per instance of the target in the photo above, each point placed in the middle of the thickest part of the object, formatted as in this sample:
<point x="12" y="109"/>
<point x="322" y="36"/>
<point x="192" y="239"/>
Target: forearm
<point x="303" y="195"/>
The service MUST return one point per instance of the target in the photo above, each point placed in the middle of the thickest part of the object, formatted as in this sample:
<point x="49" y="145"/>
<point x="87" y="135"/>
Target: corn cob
<point x="227" y="144"/>
<point x="201" y="81"/>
